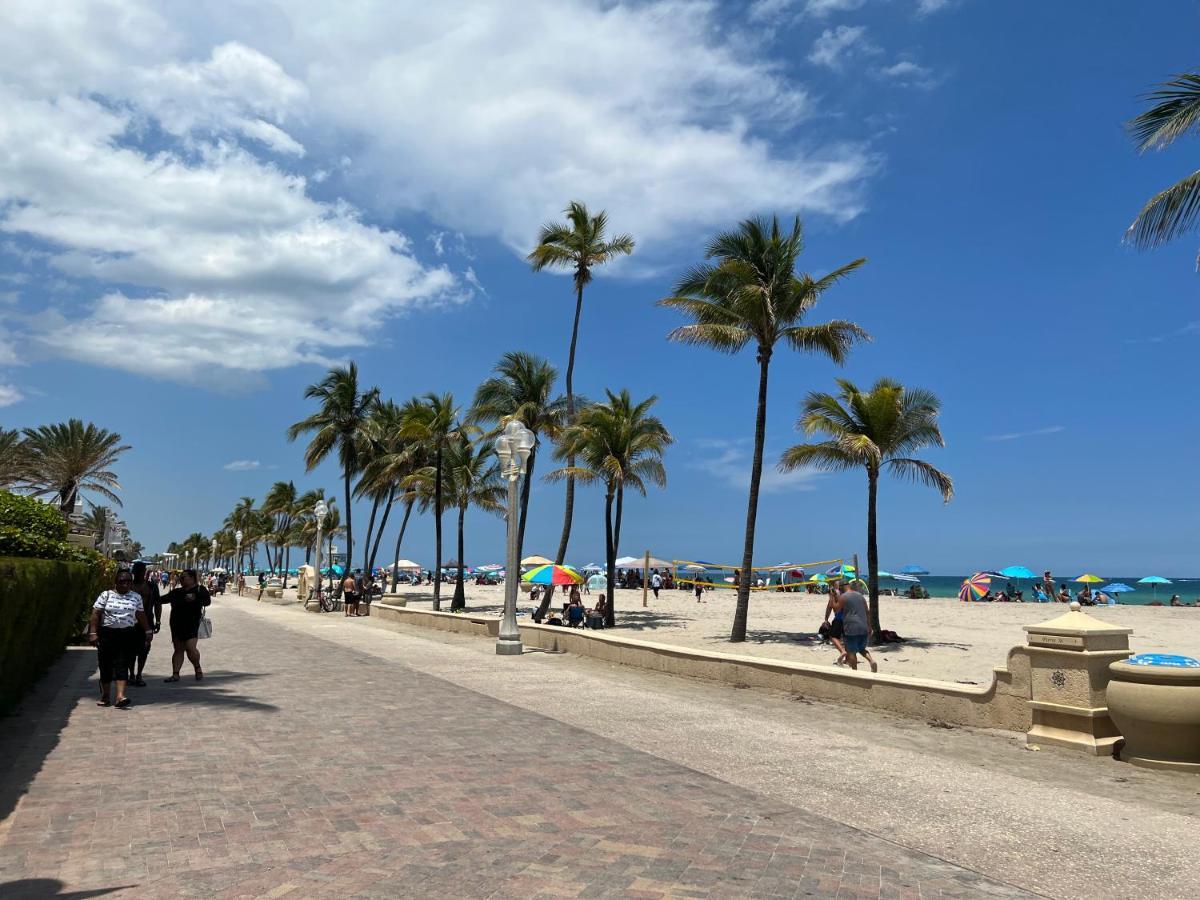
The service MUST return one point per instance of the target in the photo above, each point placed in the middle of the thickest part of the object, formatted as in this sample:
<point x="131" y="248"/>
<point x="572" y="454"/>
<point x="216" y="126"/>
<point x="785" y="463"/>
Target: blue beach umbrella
<point x="1017" y="572"/>
<point x="1154" y="580"/>
<point x="1117" y="587"/>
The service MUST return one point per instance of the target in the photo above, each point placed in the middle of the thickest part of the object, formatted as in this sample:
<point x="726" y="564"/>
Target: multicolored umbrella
<point x="975" y="587"/>
<point x="552" y="575"/>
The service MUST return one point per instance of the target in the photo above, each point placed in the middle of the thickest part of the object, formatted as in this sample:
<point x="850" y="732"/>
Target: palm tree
<point x="340" y="423"/>
<point x="579" y="244"/>
<point x="752" y="294"/>
<point x="384" y="430"/>
<point x="66" y="458"/>
<point x="97" y="520"/>
<point x="306" y="520"/>
<point x="522" y="389"/>
<point x="393" y="461"/>
<point x="877" y="430"/>
<point x="472" y="478"/>
<point x="280" y="504"/>
<point x="433" y="422"/>
<point x="12" y="459"/>
<point x="618" y="444"/>
<point x="1174" y="211"/>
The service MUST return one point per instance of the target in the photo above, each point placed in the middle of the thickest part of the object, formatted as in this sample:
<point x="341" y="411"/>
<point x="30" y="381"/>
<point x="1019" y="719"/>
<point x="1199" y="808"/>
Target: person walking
<point x="655" y="583"/>
<point x="187" y="609"/>
<point x="152" y="606"/>
<point x="115" y="629"/>
<point x="856" y="624"/>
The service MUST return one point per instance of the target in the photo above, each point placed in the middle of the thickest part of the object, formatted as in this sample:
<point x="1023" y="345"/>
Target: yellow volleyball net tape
<point x="680" y="564"/>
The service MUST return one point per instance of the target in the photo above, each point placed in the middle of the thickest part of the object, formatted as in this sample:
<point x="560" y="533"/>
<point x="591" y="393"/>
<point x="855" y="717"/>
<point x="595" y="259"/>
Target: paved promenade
<point x="303" y="767"/>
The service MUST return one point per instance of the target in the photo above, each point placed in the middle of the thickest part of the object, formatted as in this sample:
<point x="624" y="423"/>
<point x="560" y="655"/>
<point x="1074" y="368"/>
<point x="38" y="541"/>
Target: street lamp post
<point x="512" y="447"/>
<point x="212" y="554"/>
<point x="237" y="537"/>
<point x="319" y="512"/>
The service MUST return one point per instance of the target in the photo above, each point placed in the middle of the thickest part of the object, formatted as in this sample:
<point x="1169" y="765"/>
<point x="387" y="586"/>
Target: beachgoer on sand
<point x="856" y="626"/>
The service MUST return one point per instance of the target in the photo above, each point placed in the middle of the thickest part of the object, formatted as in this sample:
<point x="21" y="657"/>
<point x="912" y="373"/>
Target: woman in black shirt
<point x="187" y="608"/>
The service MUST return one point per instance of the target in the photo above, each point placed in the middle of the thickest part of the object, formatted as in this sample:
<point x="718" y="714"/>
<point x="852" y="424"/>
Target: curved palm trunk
<point x="460" y="596"/>
<point x="370" y="532"/>
<point x="437" y="529"/>
<point x="873" y="551"/>
<point x="387" y="511"/>
<point x="528" y="480"/>
<point x="349" y="533"/>
<point x="610" y="559"/>
<point x="399" y="540"/>
<point x="760" y="433"/>
<point x="569" y="505"/>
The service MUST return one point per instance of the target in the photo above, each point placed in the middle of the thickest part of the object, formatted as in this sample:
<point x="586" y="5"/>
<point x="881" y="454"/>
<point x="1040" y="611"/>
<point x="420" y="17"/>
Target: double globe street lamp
<point x="513" y="447"/>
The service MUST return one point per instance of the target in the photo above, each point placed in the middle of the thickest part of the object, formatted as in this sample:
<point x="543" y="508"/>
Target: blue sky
<point x="166" y="274"/>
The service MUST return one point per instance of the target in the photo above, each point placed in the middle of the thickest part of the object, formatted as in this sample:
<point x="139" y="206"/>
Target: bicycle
<point x="326" y="602"/>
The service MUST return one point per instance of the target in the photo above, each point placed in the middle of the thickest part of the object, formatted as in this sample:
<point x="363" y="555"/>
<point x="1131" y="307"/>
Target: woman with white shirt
<point x="113" y="630"/>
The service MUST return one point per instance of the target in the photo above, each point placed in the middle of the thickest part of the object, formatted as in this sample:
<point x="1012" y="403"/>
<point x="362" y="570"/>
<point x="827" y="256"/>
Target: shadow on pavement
<point x="51" y="887"/>
<point x="31" y="733"/>
<point x="187" y="691"/>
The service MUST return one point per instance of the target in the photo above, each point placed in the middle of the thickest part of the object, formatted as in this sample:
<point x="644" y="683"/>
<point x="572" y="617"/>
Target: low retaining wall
<point x="1003" y="704"/>
<point x="461" y="623"/>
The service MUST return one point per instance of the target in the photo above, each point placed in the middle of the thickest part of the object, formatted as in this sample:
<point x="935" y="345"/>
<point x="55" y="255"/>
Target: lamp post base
<point x="509" y="648"/>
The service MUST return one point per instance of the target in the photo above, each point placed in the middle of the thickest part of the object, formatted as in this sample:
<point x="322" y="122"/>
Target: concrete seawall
<point x="1002" y="704"/>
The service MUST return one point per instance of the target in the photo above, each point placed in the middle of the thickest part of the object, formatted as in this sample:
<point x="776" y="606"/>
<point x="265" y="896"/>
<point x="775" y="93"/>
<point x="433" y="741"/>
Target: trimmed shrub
<point x="31" y="516"/>
<point x="44" y="603"/>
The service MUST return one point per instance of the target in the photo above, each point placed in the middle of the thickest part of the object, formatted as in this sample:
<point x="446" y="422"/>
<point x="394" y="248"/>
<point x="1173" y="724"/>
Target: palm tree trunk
<point x="370" y="531"/>
<point x="618" y="515"/>
<point x="569" y="505"/>
<point x="460" y="596"/>
<point x="742" y="613"/>
<point x="400" y="539"/>
<point x="287" y="563"/>
<point x="610" y="559"/>
<point x="387" y="511"/>
<point x="528" y="480"/>
<point x="873" y="551"/>
<point x="349" y="532"/>
<point x="437" y="528"/>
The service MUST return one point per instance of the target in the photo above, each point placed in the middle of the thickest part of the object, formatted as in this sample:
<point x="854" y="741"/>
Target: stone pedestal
<point x="1069" y="658"/>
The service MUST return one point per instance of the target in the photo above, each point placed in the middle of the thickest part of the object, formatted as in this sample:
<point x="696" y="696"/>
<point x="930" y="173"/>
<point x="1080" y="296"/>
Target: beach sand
<point x="945" y="639"/>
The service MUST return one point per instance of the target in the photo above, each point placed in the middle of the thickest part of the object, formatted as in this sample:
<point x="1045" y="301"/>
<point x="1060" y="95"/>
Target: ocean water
<point x="1188" y="589"/>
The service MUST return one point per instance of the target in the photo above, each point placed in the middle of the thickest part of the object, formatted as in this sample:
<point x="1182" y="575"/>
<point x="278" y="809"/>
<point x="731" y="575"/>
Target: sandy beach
<point x="945" y="639"/>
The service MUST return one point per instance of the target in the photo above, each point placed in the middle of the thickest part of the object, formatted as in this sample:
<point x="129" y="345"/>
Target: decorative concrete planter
<point x="1155" y="702"/>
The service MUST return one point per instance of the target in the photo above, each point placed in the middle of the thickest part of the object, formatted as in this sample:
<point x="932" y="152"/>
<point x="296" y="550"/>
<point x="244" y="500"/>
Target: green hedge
<point x="44" y="603"/>
<point x="31" y="517"/>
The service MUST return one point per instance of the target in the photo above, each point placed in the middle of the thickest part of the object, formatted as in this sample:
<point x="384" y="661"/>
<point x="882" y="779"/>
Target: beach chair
<point x="575" y="616"/>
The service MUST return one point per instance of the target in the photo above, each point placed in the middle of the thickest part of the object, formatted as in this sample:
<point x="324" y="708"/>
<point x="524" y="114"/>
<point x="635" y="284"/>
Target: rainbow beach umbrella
<point x="975" y="587"/>
<point x="552" y="575"/>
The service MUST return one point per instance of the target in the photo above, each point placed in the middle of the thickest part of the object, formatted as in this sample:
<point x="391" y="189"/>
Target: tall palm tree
<point x="472" y="478"/>
<point x="97" y="520"/>
<point x="522" y="389"/>
<point x="339" y="423"/>
<point x="393" y="461"/>
<point x="751" y="294"/>
<point x="280" y="504"/>
<point x="385" y="435"/>
<point x="306" y="520"/>
<point x="1175" y="210"/>
<point x="242" y="518"/>
<point x="13" y="467"/>
<point x="579" y="244"/>
<point x="618" y="444"/>
<point x="70" y="457"/>
<point x="876" y="430"/>
<point x="434" y="421"/>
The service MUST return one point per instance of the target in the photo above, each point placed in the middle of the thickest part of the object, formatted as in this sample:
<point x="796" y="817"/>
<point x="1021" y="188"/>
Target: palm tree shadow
<point x="919" y="643"/>
<point x="810" y="638"/>
<point x="208" y="692"/>
<point x="51" y="887"/>
<point x="646" y="620"/>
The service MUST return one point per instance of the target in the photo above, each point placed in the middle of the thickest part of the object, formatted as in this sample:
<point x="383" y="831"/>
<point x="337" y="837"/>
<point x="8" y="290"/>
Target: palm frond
<point x="1175" y="112"/>
<point x="1167" y="214"/>
<point x="922" y="472"/>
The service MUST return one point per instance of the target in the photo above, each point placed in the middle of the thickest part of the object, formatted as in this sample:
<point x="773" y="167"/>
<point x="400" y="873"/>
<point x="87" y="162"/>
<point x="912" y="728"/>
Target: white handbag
<point x="205" y="627"/>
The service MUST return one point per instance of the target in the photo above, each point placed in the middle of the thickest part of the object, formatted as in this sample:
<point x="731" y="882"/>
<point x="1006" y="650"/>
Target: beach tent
<point x="625" y="562"/>
<point x="592" y="567"/>
<point x="407" y="564"/>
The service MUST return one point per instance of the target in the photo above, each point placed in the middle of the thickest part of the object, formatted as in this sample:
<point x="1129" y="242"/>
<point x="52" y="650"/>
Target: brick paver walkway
<point x="303" y="768"/>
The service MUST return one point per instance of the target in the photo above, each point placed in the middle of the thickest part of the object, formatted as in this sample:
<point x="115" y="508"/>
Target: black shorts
<point x="350" y="598"/>
<point x="837" y="628"/>
<point x="117" y="649"/>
